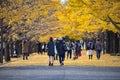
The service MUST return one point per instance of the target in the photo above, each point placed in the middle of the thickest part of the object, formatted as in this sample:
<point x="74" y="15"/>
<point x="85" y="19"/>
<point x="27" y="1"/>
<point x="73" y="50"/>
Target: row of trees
<point x="40" y="19"/>
<point x="24" y="19"/>
<point x="90" y="16"/>
<point x="37" y="18"/>
<point x="93" y="18"/>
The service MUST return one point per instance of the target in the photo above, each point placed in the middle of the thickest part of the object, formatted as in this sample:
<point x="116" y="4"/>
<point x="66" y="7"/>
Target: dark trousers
<point x="61" y="58"/>
<point x="69" y="53"/>
<point x="90" y="56"/>
<point x="25" y="56"/>
<point x="43" y="51"/>
<point x="98" y="54"/>
<point x="39" y="51"/>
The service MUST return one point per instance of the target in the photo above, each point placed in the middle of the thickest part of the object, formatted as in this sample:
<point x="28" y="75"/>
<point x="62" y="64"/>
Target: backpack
<point x="65" y="47"/>
<point x="90" y="45"/>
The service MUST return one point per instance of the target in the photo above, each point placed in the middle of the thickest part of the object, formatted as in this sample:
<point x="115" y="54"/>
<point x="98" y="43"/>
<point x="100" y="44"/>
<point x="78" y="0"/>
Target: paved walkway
<point x="59" y="73"/>
<point x="36" y="68"/>
<point x="42" y="60"/>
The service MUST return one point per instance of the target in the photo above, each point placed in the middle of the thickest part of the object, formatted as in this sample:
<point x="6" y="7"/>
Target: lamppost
<point x="1" y="40"/>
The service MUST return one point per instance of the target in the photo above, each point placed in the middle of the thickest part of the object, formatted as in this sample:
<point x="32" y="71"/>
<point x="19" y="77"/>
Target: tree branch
<point x="114" y="23"/>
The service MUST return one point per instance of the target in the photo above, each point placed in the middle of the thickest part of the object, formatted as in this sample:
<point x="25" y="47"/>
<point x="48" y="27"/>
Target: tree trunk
<point x="7" y="52"/>
<point x="119" y="43"/>
<point x="18" y="45"/>
<point x="1" y="50"/>
<point x="116" y="43"/>
<point x="11" y="49"/>
<point x="107" y="42"/>
<point x="113" y="43"/>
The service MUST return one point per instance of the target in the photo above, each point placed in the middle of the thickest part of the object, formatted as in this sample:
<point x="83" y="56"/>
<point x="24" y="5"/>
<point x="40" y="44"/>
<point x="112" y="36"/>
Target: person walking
<point x="43" y="48"/>
<point x="25" y="49"/>
<point x="74" y="50"/>
<point x="56" y="52"/>
<point x="61" y="50"/>
<point x="77" y="50"/>
<point x="98" y="48"/>
<point x="39" y="47"/>
<point x="90" y="48"/>
<point x="69" y="48"/>
<point x="51" y="53"/>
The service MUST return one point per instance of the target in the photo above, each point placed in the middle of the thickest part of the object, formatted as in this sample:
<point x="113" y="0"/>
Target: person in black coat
<point x="51" y="51"/>
<point x="39" y="47"/>
<point x="90" y="48"/>
<point x="61" y="51"/>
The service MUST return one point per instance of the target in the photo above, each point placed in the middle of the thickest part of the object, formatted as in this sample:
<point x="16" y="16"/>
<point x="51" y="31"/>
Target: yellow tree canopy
<point x="41" y="19"/>
<point x="82" y="16"/>
<point x="31" y="17"/>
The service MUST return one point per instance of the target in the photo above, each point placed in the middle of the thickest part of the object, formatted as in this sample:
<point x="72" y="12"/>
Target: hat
<point x="55" y="38"/>
<point x="51" y="38"/>
<point x="60" y="38"/>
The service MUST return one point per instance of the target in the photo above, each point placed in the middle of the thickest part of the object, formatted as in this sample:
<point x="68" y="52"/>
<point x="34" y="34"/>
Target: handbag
<point x="79" y="54"/>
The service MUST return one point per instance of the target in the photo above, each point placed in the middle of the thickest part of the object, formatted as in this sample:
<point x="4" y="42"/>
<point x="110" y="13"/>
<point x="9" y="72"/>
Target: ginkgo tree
<point x="104" y="10"/>
<point x="81" y="16"/>
<point x="29" y="17"/>
<point x="45" y="18"/>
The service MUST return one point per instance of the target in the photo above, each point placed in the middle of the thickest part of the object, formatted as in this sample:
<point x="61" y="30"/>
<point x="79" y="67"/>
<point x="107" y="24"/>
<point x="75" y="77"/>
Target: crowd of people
<point x="56" y="49"/>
